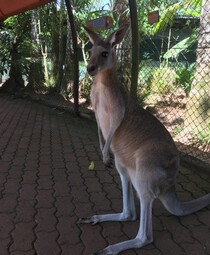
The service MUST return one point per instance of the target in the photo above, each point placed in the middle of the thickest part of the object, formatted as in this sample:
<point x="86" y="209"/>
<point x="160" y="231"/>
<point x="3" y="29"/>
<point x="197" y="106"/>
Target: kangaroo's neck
<point x="107" y="77"/>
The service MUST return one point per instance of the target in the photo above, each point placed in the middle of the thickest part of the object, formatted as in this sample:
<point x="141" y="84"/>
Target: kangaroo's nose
<point x="91" y="69"/>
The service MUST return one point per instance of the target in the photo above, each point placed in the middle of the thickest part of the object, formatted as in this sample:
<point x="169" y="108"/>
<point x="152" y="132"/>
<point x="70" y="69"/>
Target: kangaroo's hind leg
<point x="145" y="234"/>
<point x="129" y="211"/>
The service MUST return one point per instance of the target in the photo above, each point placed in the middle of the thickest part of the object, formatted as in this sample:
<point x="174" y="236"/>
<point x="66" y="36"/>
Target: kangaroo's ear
<point x="93" y="37"/>
<point x="117" y="36"/>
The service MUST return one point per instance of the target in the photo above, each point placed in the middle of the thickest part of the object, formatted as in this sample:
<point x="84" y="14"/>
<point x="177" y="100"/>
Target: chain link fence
<point x="174" y="64"/>
<point x="174" y="69"/>
<point x="174" y="76"/>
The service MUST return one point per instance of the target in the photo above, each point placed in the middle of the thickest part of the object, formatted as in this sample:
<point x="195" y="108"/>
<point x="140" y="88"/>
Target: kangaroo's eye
<point x="104" y="54"/>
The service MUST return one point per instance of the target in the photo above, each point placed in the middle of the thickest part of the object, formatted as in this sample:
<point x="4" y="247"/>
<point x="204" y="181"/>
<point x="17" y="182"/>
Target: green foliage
<point x="85" y="82"/>
<point x="146" y="70"/>
<point x="163" y="80"/>
<point x="167" y="17"/>
<point x="201" y="137"/>
<point x="182" y="46"/>
<point x="15" y="37"/>
<point x="178" y="129"/>
<point x="184" y="7"/>
<point x="184" y="77"/>
<point x="166" y="78"/>
<point x="50" y="82"/>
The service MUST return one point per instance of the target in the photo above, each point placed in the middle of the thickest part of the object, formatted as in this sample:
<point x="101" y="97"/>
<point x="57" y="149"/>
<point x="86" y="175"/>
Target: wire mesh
<point x="174" y="76"/>
<point x="174" y="69"/>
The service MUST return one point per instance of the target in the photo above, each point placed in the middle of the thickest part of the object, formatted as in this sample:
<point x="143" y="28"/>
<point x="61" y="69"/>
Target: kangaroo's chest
<point x="100" y="100"/>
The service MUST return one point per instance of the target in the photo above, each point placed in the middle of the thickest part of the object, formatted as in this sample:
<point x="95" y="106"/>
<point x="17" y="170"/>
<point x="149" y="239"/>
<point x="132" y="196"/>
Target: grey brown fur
<point x="145" y="154"/>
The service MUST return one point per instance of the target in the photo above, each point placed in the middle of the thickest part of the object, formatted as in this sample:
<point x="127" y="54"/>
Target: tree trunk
<point x="75" y="57"/>
<point x="68" y="75"/>
<point x="15" y="81"/>
<point x="123" y="50"/>
<point x="62" y="49"/>
<point x="36" y="75"/>
<point x="197" y="117"/>
<point x="55" y="41"/>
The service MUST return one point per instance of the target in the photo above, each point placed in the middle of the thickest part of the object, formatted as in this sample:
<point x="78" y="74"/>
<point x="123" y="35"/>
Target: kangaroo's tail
<point x="178" y="208"/>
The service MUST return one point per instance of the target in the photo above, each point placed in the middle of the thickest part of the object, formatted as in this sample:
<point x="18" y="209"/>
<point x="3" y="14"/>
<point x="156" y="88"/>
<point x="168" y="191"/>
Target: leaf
<point x="180" y="46"/>
<point x="91" y="166"/>
<point x="184" y="7"/>
<point x="167" y="17"/>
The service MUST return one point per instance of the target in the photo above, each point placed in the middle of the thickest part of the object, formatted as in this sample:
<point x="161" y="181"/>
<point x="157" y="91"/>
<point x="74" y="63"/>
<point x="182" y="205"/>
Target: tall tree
<point x="36" y="75"/>
<point x="197" y="117"/>
<point x="15" y="49"/>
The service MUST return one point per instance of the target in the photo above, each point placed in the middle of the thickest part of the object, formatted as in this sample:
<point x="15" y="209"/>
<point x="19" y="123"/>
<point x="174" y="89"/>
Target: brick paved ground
<point x="45" y="186"/>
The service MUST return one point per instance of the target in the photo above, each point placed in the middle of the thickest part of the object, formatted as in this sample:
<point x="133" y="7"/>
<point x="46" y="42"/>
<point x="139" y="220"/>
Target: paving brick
<point x="31" y="165"/>
<point x="75" y="179"/>
<point x="8" y="203"/>
<point x="105" y="177"/>
<point x="23" y="253"/>
<point x="204" y="217"/>
<point x="5" y="166"/>
<point x="4" y="246"/>
<point x="112" y="232"/>
<point x="202" y="234"/>
<point x="148" y="250"/>
<point x="7" y="156"/>
<point x="69" y="230"/>
<point x="46" y="220"/>
<point x="6" y="225"/>
<point x="79" y="194"/>
<point x="64" y="206"/>
<point x="28" y="191"/>
<point x="194" y="249"/>
<point x="100" y="201"/>
<point x="23" y="237"/>
<point x="92" y="239"/>
<point x="59" y="176"/>
<point x="179" y="232"/>
<point x="29" y="177"/>
<point x="68" y="249"/>
<point x="130" y="228"/>
<point x="12" y="186"/>
<point x="45" y="198"/>
<point x="83" y="209"/>
<point x="166" y="245"/>
<point x="46" y="187"/>
<point x="190" y="220"/>
<point x="115" y="205"/>
<point x="45" y="159"/>
<point x="46" y="243"/>
<point x="25" y="211"/>
<point x="72" y="167"/>
<point x="87" y="173"/>
<point x="61" y="188"/>
<point x="112" y="190"/>
<point x="45" y="182"/>
<point x="15" y="172"/>
<point x="93" y="185"/>
<point x="3" y="177"/>
<point x="44" y="170"/>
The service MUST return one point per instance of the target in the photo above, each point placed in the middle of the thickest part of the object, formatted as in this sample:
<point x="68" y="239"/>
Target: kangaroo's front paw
<point x="107" y="162"/>
<point x="106" y="251"/>
<point x="89" y="220"/>
<point x="107" y="159"/>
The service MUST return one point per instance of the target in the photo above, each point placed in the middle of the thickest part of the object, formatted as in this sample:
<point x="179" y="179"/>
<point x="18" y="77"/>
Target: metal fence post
<point x="135" y="48"/>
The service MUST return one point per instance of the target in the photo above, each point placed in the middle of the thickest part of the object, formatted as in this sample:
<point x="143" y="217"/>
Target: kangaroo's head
<point x="101" y="54"/>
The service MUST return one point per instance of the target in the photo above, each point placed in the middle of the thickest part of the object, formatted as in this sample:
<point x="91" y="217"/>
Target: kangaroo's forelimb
<point x="115" y="123"/>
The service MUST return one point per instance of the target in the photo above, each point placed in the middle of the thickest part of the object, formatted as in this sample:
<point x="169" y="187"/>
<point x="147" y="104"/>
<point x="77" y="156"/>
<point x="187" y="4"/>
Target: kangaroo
<point x="144" y="152"/>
